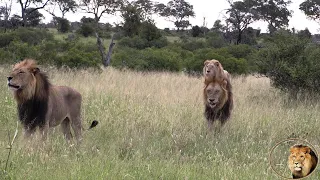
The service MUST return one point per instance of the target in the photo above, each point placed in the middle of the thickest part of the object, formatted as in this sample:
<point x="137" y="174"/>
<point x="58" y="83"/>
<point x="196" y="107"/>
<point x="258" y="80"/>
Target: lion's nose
<point x="296" y="163"/>
<point x="211" y="100"/>
<point x="9" y="78"/>
<point x="208" y="71"/>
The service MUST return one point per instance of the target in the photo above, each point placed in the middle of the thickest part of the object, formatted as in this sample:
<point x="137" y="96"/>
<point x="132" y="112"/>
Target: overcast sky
<point x="210" y="9"/>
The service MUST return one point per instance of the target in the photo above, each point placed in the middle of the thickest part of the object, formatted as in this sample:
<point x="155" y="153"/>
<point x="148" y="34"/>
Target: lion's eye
<point x="301" y="156"/>
<point x="216" y="91"/>
<point x="20" y="72"/>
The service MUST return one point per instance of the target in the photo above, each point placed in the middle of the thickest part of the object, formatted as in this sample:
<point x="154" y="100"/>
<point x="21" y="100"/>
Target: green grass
<point x="90" y="39"/>
<point x="152" y="127"/>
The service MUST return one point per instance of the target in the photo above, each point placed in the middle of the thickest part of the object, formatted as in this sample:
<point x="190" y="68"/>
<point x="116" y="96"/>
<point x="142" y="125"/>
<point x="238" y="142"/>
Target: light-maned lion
<point x="213" y="71"/>
<point x="43" y="105"/>
<point x="218" y="102"/>
<point x="302" y="161"/>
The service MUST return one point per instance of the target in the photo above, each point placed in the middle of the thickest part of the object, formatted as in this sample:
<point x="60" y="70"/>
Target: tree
<point x="64" y="6"/>
<point x="98" y="8"/>
<point x="146" y="7"/>
<point x="311" y="8"/>
<point x="274" y="12"/>
<point x="240" y="16"/>
<point x="5" y="12"/>
<point x="196" y="31"/>
<point x="87" y="26"/>
<point x="304" y="33"/>
<point x="33" y="17"/>
<point x="132" y="16"/>
<point x="63" y="24"/>
<point x="177" y="11"/>
<point x="217" y="26"/>
<point x="26" y="5"/>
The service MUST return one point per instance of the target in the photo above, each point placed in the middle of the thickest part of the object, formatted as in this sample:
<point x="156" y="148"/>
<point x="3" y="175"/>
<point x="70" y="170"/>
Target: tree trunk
<point x="239" y="37"/>
<point x="106" y="58"/>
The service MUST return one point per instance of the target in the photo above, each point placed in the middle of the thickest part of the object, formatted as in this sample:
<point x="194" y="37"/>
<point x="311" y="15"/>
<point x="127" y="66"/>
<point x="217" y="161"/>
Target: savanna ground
<point x="152" y="127"/>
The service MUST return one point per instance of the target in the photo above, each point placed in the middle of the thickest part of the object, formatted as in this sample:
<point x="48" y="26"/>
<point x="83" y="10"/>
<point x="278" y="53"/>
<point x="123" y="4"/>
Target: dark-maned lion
<point x="218" y="102"/>
<point x="301" y="161"/>
<point x="43" y="105"/>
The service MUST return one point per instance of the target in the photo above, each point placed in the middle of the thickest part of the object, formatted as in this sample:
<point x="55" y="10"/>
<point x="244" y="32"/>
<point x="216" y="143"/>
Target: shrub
<point x="291" y="63"/>
<point x="27" y="35"/>
<point x="194" y="44"/>
<point x="150" y="59"/>
<point x="86" y="30"/>
<point x="215" y="40"/>
<point x="6" y="39"/>
<point x="63" y="25"/>
<point x="230" y="63"/>
<point x="32" y="36"/>
<point x="76" y="58"/>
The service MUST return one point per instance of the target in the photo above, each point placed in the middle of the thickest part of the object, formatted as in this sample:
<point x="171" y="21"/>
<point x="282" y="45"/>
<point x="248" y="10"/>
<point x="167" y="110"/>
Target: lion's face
<point x="300" y="160"/>
<point x="214" y="94"/>
<point x="20" y="78"/>
<point x="212" y="68"/>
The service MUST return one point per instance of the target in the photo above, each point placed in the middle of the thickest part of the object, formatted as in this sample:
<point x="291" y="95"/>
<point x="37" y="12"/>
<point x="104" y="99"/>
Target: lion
<point x="218" y="102"/>
<point x="43" y="105"/>
<point x="213" y="71"/>
<point x="301" y="161"/>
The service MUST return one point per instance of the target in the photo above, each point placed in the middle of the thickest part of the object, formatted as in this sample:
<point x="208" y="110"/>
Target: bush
<point x="215" y="40"/>
<point x="141" y="43"/>
<point x="150" y="59"/>
<point x="230" y="63"/>
<point x="6" y="39"/>
<point x="72" y="54"/>
<point x="194" y="44"/>
<point x="86" y="30"/>
<point x="63" y="25"/>
<point x="291" y="63"/>
<point x="28" y="35"/>
<point x="32" y="36"/>
<point x="76" y="58"/>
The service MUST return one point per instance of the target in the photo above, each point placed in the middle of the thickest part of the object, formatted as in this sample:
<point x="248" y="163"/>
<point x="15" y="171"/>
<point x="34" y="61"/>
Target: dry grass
<point x="152" y="127"/>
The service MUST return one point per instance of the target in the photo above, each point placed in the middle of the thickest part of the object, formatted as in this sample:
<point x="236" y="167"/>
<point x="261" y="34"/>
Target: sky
<point x="210" y="9"/>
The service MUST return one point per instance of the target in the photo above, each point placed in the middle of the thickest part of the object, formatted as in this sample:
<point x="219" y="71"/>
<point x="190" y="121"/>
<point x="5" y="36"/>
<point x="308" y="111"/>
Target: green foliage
<point x="274" y="12"/>
<point x="179" y="10"/>
<point x="72" y="54"/>
<point x="215" y="39"/>
<point x="132" y="17"/>
<point x="230" y="63"/>
<point x="311" y="8"/>
<point x="87" y="27"/>
<point x="27" y="35"/>
<point x="33" y="17"/>
<point x="149" y="36"/>
<point x="63" y="24"/>
<point x="193" y="44"/>
<point x="150" y="59"/>
<point x="196" y="31"/>
<point x="291" y="63"/>
<point x="77" y="58"/>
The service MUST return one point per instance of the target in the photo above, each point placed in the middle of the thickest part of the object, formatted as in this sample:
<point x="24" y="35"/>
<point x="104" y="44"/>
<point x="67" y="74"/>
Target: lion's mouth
<point x="13" y="87"/>
<point x="297" y="168"/>
<point x="212" y="104"/>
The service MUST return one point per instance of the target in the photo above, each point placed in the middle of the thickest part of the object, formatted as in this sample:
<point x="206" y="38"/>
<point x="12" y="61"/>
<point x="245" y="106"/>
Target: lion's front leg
<point x="44" y="129"/>
<point x="28" y="132"/>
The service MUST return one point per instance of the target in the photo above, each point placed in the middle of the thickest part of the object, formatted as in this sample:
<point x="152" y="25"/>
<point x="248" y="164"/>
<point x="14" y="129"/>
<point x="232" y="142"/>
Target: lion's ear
<point x="35" y="70"/>
<point x="206" y="62"/>
<point x="307" y="149"/>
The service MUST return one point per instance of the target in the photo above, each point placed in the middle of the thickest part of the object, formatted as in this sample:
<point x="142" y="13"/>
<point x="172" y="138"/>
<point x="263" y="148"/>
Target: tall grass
<point x="152" y="127"/>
